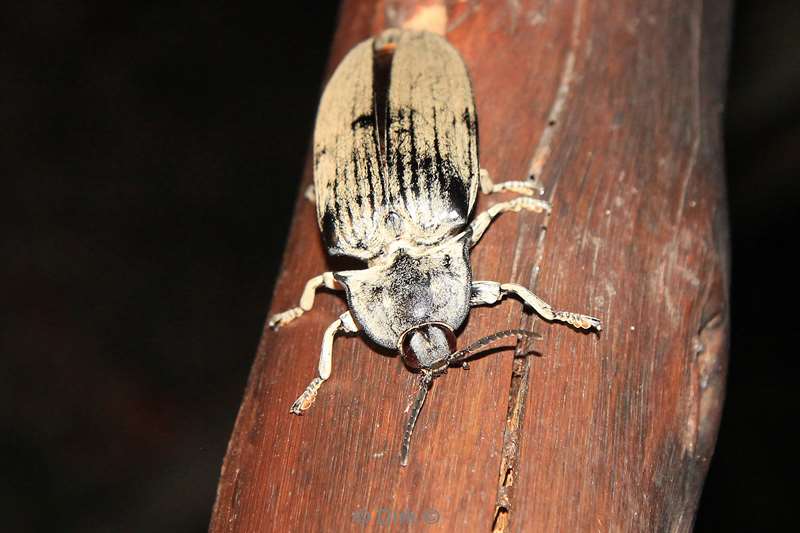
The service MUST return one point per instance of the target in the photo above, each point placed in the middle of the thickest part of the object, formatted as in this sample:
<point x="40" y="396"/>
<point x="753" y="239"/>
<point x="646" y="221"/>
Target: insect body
<point x="396" y="177"/>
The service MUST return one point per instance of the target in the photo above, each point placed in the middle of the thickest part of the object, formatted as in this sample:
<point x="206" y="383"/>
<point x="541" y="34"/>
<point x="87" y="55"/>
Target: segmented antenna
<point x="480" y="343"/>
<point x="428" y="377"/>
<point x="424" y="386"/>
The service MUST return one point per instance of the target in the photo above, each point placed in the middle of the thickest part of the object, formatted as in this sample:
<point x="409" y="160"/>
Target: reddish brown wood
<point x="617" y="106"/>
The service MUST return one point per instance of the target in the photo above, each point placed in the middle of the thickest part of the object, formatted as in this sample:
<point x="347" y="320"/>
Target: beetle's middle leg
<point x="482" y="221"/>
<point x="529" y="187"/>
<point x="489" y="292"/>
<point x="306" y="300"/>
<point x="344" y="323"/>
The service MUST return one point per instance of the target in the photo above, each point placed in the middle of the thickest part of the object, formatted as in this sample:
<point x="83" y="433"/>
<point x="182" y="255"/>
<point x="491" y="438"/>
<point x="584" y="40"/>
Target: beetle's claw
<point x="581" y="321"/>
<point x="302" y="403"/>
<point x="299" y="406"/>
<point x="590" y="322"/>
<point x="307" y="398"/>
<point x="535" y="184"/>
<point x="279" y="320"/>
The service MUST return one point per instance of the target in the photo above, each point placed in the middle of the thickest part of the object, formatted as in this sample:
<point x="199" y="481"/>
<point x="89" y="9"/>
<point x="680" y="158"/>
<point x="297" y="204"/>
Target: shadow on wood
<point x="617" y="110"/>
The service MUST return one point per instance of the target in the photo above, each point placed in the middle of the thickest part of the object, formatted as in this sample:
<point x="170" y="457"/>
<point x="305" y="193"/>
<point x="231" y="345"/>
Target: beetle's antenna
<point x="428" y="377"/>
<point x="480" y="343"/>
<point x="424" y="386"/>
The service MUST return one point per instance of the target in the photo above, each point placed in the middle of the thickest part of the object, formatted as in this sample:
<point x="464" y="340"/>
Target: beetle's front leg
<point x="482" y="221"/>
<point x="306" y="300"/>
<point x="489" y="292"/>
<point x="344" y="323"/>
<point x="529" y="187"/>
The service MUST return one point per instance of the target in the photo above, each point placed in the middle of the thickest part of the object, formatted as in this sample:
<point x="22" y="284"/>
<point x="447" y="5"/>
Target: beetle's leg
<point x="306" y="300"/>
<point x="344" y="323"/>
<point x="529" y="187"/>
<point x="489" y="292"/>
<point x="311" y="194"/>
<point x="483" y="220"/>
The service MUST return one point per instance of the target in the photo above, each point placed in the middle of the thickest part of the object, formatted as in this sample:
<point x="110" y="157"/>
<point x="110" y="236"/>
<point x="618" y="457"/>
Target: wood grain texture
<point x="616" y="107"/>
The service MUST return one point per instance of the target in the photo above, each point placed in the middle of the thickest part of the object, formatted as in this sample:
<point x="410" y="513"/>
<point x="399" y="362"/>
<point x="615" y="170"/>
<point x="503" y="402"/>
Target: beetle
<point x="396" y="177"/>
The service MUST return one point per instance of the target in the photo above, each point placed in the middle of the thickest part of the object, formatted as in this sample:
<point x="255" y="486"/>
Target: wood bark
<point x="616" y="107"/>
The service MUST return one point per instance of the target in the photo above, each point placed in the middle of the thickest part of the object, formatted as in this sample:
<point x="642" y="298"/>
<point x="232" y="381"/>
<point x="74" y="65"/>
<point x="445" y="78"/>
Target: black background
<point x="152" y="153"/>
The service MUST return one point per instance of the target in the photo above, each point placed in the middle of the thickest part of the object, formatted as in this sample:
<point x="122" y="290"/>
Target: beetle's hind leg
<point x="482" y="221"/>
<point x="344" y="323"/>
<point x="489" y="292"/>
<point x="306" y="300"/>
<point x="529" y="187"/>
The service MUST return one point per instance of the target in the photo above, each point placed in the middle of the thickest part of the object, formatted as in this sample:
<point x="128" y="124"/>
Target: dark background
<point x="152" y="155"/>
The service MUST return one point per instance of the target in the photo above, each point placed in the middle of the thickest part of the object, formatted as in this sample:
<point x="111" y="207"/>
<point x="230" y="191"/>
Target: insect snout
<point x="427" y="346"/>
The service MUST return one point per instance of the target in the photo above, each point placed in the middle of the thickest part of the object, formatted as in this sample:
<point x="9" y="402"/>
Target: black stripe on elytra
<point x="471" y="121"/>
<point x="354" y="161"/>
<point x="414" y="184"/>
<point x="329" y="229"/>
<point x="472" y="176"/>
<point x="338" y="209"/>
<point x="457" y="193"/>
<point x="351" y="227"/>
<point x="381" y="81"/>
<point x="372" y="185"/>
<point x="438" y="170"/>
<point x="399" y="162"/>
<point x="363" y="121"/>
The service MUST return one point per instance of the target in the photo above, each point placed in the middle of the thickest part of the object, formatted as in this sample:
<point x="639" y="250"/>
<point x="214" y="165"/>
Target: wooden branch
<point x="616" y="107"/>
